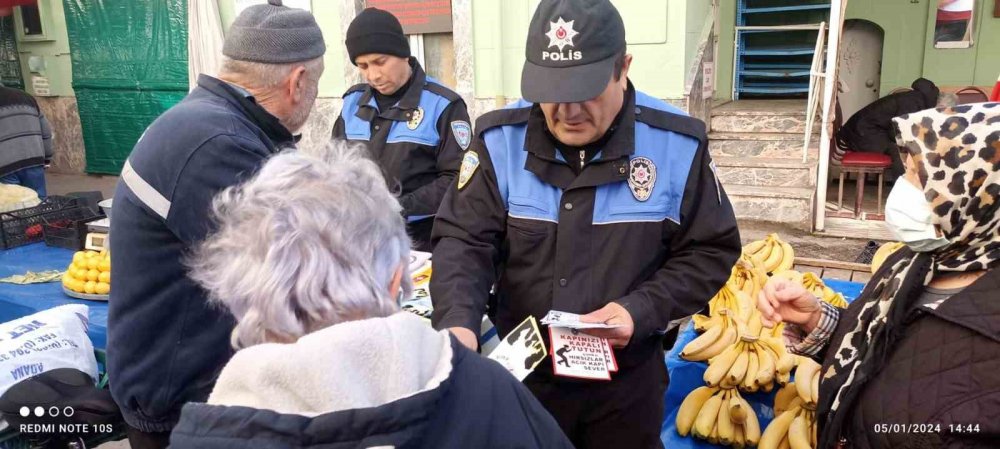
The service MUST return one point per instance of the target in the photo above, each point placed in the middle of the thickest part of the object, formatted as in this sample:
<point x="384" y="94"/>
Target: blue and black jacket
<point x="167" y="342"/>
<point x="418" y="143"/>
<point x="645" y="224"/>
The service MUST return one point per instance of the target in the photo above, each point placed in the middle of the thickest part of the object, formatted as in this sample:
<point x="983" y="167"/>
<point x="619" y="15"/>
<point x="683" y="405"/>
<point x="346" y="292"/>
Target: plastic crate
<point x="21" y="227"/>
<point x="68" y="230"/>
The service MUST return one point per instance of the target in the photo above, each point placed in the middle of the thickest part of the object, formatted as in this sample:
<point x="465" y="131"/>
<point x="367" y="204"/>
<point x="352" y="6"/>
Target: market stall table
<point x="17" y="301"/>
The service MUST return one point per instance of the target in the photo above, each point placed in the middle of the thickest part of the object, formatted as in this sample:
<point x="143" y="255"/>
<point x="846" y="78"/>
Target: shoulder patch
<point x="669" y="121"/>
<point x="462" y="131"/>
<point x="470" y="162"/>
<point x="501" y="117"/>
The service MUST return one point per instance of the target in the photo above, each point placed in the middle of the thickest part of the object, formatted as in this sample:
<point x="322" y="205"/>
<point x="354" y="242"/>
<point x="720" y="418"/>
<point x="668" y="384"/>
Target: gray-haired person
<point x="310" y="257"/>
<point x="166" y="343"/>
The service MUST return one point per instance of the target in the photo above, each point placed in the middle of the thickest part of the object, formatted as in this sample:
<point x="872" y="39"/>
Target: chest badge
<point x="418" y="116"/>
<point x="469" y="165"/>
<point x="641" y="178"/>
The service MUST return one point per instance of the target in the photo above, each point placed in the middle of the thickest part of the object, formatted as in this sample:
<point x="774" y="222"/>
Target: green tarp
<point x="129" y="65"/>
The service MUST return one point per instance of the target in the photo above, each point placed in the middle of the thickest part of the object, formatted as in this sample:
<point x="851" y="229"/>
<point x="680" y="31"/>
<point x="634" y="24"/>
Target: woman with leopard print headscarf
<point x="914" y="362"/>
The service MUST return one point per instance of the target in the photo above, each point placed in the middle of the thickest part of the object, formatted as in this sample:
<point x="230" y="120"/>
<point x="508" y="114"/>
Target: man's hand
<point x="466" y="337"/>
<point x="613" y="313"/>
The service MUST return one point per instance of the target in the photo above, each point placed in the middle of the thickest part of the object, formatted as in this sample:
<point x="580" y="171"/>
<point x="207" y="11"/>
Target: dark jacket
<point x="25" y="134"/>
<point x="870" y="129"/>
<point x="418" y="143"/>
<point x="478" y="405"/>
<point x="554" y="240"/>
<point x="167" y="343"/>
<point x="943" y="373"/>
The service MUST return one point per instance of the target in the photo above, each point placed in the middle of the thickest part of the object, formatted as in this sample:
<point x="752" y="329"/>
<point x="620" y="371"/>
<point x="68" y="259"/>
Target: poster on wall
<point x="301" y="4"/>
<point x="419" y="16"/>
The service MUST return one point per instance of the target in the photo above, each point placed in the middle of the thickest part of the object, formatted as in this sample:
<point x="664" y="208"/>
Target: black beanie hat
<point x="376" y="31"/>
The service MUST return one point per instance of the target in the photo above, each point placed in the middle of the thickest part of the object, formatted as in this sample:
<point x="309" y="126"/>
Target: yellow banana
<point x="689" y="409"/>
<point x="725" y="424"/>
<point x="813" y="433"/>
<point x="814" y="388"/>
<point x="774" y="257"/>
<point x="728" y="338"/>
<point x="753" y="365"/>
<point x="713" y="437"/>
<point x="737" y="412"/>
<point x="751" y="428"/>
<point x="703" y="323"/>
<point x="738" y="370"/>
<point x="766" y="368"/>
<point x="702" y="342"/>
<point x="803" y="379"/>
<point x="782" y="399"/>
<point x="753" y="247"/>
<point x="784" y="443"/>
<point x="783" y="378"/>
<point x="787" y="257"/>
<point x="776" y="431"/>
<point x="798" y="433"/>
<point x="720" y="365"/>
<point x="739" y="440"/>
<point x="704" y="423"/>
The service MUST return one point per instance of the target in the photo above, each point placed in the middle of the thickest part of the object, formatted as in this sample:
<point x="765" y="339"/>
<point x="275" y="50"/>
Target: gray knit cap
<point x="274" y="34"/>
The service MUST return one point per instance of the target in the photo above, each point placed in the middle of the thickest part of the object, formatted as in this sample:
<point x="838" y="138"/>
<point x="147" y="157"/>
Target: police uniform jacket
<point x="645" y="224"/>
<point x="418" y="142"/>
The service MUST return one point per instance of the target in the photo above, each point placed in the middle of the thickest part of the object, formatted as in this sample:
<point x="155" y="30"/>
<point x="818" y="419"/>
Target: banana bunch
<point x="794" y="425"/>
<point x="771" y="254"/>
<point x="883" y="253"/>
<point x="720" y="416"/>
<point x="747" y="277"/>
<point x="751" y="364"/>
<point x="719" y="332"/>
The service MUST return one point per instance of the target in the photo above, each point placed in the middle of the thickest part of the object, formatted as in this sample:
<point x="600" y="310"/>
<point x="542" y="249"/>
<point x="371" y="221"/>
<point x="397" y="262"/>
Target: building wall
<point x="59" y="106"/>
<point x="908" y="52"/>
<point x="656" y="30"/>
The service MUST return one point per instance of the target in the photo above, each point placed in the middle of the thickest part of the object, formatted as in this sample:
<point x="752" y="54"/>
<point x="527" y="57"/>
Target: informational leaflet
<point x="521" y="350"/>
<point x="582" y="356"/>
<point x="556" y="318"/>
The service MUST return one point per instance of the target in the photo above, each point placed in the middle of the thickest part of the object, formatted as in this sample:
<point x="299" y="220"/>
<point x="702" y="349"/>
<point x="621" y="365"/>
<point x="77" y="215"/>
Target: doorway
<point x="860" y="65"/>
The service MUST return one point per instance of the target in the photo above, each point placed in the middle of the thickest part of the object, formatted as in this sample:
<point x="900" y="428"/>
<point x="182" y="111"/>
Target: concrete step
<point x="788" y="205"/>
<point x="765" y="172"/>
<point x="773" y="145"/>
<point x="763" y="122"/>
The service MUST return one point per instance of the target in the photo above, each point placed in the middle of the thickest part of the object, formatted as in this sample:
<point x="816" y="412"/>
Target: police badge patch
<point x="463" y="133"/>
<point x="641" y="178"/>
<point x="418" y="116"/>
<point x="469" y="165"/>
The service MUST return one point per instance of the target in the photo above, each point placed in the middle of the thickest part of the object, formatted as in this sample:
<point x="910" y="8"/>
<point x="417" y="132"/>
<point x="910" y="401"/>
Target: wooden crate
<point x="832" y="269"/>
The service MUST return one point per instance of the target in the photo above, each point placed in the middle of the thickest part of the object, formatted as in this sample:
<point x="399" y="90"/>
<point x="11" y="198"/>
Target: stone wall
<point x="68" y="151"/>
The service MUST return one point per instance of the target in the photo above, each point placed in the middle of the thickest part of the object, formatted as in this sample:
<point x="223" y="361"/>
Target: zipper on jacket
<point x="583" y="158"/>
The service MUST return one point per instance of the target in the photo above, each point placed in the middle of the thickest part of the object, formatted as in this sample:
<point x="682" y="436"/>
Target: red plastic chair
<point x="862" y="164"/>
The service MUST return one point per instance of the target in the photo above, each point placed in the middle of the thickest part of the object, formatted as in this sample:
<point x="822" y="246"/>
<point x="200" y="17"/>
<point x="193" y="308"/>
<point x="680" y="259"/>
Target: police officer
<point x="415" y="128"/>
<point x="588" y="197"/>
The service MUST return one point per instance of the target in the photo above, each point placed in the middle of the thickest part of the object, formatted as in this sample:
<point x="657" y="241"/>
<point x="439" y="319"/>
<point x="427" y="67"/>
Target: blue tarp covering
<point x="17" y="301"/>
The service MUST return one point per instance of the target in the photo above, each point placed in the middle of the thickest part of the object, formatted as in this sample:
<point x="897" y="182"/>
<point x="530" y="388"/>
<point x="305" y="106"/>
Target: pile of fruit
<point x="745" y="357"/>
<point x="89" y="273"/>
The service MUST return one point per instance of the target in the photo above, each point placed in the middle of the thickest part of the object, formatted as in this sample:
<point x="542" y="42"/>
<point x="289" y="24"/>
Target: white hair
<point x="267" y="76"/>
<point x="309" y="242"/>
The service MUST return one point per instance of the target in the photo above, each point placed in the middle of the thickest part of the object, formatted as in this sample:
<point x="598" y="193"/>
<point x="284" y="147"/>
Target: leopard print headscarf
<point x="957" y="157"/>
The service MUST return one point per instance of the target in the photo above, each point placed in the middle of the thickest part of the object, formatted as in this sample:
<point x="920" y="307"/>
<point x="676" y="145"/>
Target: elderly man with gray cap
<point x="588" y="197"/>
<point x="166" y="343"/>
